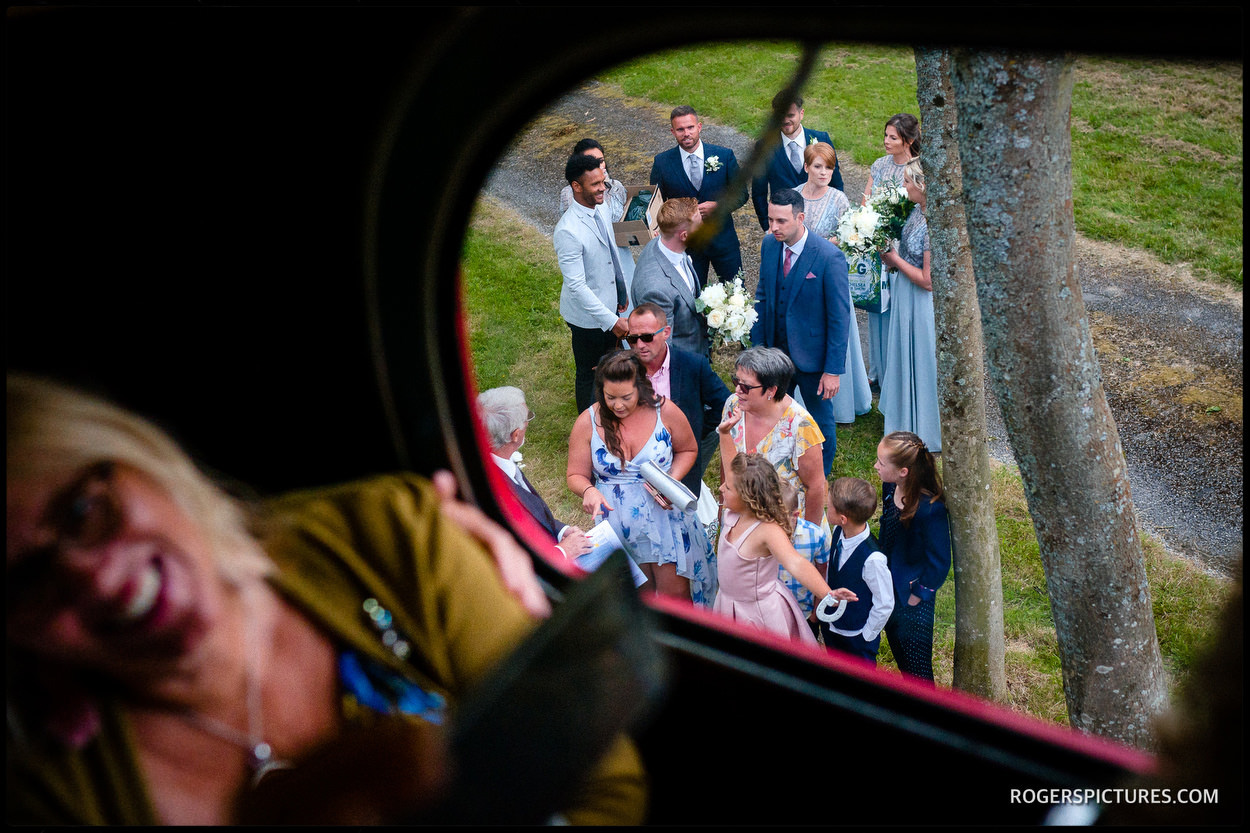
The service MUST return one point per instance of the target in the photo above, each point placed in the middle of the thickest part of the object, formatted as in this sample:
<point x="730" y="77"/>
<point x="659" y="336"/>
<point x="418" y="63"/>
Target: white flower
<point x="866" y="222"/>
<point x="738" y="301"/>
<point x="713" y="295"/>
<point x="712" y="163"/>
<point x="716" y="319"/>
<point x="735" y="321"/>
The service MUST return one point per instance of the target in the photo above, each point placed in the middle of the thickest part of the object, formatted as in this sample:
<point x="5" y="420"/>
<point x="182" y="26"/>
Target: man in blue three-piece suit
<point x="804" y="305"/>
<point x="785" y="164"/>
<point x="506" y="416"/>
<point x="702" y="171"/>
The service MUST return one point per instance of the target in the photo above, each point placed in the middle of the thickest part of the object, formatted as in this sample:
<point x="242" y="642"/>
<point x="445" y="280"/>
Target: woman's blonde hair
<point x="915" y="172"/>
<point x="55" y="431"/>
<point x="759" y="487"/>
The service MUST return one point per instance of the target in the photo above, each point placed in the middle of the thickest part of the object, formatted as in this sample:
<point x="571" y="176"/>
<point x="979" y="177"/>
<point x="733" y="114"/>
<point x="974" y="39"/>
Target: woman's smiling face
<point x="106" y="571"/>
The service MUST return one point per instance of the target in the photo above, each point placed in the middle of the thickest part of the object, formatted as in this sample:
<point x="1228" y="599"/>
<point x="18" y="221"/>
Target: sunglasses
<point x="743" y="386"/>
<point x="88" y="513"/>
<point x="646" y="337"/>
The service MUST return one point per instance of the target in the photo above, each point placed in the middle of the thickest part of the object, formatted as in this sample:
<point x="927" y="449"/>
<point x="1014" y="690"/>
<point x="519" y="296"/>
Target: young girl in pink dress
<point x="755" y="536"/>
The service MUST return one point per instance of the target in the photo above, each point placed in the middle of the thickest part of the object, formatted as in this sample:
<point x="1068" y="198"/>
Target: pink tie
<point x="785" y="266"/>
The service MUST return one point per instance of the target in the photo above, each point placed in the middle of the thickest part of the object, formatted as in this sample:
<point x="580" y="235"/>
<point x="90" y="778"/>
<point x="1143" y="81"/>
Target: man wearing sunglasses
<point x="684" y="377"/>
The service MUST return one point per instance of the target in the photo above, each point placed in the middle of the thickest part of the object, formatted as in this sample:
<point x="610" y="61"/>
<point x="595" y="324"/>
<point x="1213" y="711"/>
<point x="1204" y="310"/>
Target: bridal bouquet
<point x="870" y="228"/>
<point x="863" y="234"/>
<point x="730" y="313"/>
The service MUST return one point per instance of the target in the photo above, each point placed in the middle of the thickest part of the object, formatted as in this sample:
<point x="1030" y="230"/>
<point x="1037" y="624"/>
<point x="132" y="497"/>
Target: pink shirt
<point x="660" y="379"/>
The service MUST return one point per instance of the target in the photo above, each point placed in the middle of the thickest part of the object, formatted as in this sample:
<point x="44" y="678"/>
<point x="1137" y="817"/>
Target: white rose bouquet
<point x="870" y="228"/>
<point x="865" y="232"/>
<point x="730" y="313"/>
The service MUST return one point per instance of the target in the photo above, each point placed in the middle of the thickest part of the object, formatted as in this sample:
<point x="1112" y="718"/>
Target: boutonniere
<point x="712" y="164"/>
<point x="813" y="140"/>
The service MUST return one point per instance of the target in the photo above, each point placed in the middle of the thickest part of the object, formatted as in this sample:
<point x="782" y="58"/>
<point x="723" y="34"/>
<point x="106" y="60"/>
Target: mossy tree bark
<point x="980" y="652"/>
<point x="1015" y="142"/>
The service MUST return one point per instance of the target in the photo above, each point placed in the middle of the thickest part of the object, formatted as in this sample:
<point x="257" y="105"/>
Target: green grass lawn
<point x="516" y="335"/>
<point x="1156" y="145"/>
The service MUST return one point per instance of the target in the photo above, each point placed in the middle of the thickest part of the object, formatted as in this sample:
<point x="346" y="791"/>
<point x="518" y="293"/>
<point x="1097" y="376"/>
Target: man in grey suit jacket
<point x="593" y="295"/>
<point x="665" y="275"/>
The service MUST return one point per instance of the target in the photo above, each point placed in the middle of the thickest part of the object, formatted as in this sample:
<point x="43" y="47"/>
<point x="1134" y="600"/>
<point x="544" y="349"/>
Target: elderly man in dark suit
<point x="702" y="171"/>
<point x="785" y="164"/>
<point x="665" y="276"/>
<point x="506" y="416"/>
<point x="684" y="377"/>
<point x="804" y="304"/>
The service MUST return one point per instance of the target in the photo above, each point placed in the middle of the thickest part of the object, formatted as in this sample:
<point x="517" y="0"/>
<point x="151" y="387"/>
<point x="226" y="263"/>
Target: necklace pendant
<point x="262" y="762"/>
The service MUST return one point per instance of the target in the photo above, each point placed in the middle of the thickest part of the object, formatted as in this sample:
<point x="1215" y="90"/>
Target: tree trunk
<point x="1014" y="133"/>
<point x="980" y="652"/>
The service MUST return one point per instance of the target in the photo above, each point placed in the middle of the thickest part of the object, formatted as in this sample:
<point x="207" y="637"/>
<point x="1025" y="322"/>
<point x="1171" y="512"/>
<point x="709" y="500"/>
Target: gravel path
<point x="1170" y="346"/>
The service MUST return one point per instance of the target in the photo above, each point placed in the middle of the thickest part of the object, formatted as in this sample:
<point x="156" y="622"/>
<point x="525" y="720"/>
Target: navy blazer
<point x="700" y="394"/>
<point x="780" y="174"/>
<point x="668" y="173"/>
<point x="536" y="506"/>
<point x="819" y="303"/>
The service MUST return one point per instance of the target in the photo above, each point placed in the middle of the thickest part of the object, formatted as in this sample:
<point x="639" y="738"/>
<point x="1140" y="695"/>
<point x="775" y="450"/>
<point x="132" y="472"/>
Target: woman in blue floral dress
<point x="627" y="426"/>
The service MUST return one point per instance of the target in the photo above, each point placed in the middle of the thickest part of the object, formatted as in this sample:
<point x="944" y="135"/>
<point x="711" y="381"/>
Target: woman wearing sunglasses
<point x="760" y="417"/>
<point x="173" y="658"/>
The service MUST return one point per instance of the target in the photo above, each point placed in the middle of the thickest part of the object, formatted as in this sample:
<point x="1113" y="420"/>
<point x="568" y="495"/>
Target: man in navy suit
<point x="785" y="164"/>
<point x="506" y="416"/>
<point x="804" y="305"/>
<point x="684" y="377"/>
<point x="702" y="171"/>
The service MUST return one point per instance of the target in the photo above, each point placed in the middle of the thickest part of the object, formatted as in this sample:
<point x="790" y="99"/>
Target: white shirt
<point x="797" y="248"/>
<point x="514" y="474"/>
<point x="877" y="576"/>
<point x="591" y="213"/>
<point x="798" y="137"/>
<point x="661" y="382"/>
<point x="680" y="262"/>
<point x="685" y="157"/>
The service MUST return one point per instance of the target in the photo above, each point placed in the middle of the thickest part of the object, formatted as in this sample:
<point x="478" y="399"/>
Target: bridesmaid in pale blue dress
<point x="823" y="206"/>
<point x="902" y="143"/>
<point x="628" y="425"/>
<point x="909" y="397"/>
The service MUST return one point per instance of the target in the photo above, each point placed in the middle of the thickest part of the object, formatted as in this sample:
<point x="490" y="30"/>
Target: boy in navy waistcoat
<point x="857" y="563"/>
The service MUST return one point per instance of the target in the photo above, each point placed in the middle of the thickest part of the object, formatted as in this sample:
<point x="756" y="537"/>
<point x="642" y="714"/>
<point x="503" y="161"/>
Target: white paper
<point x="605" y="541"/>
<point x="677" y="493"/>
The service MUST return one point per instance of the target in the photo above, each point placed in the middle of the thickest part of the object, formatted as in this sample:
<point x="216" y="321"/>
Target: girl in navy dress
<point x="915" y="537"/>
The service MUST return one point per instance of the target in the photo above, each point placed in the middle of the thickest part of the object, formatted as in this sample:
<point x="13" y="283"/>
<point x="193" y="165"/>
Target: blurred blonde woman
<point x="164" y="660"/>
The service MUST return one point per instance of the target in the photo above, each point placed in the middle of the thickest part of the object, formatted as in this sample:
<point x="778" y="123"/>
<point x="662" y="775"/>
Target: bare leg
<point x="648" y="570"/>
<point x="668" y="583"/>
